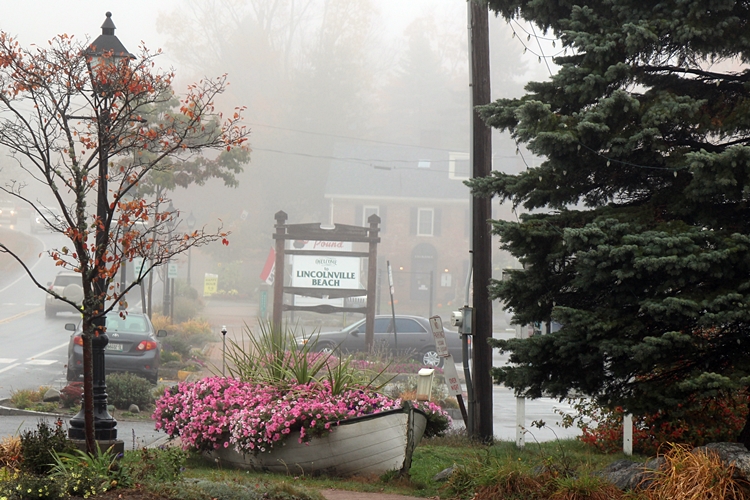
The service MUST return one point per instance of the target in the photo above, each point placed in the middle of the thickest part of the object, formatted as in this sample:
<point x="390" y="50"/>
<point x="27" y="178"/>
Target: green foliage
<point x="82" y="474"/>
<point x="183" y="337"/>
<point x="124" y="389"/>
<point x="200" y="489"/>
<point x="272" y="356"/>
<point x="27" y="398"/>
<point x="638" y="240"/>
<point x="152" y="465"/>
<point x="696" y="422"/>
<point x="26" y="486"/>
<point x="38" y="445"/>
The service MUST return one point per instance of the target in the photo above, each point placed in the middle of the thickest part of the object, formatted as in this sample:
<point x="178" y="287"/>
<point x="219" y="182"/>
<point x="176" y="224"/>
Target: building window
<point x="367" y="211"/>
<point x="459" y="166"/>
<point x="425" y="222"/>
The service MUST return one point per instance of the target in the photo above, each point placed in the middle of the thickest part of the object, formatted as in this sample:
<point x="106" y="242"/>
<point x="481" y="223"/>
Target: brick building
<point x="423" y="204"/>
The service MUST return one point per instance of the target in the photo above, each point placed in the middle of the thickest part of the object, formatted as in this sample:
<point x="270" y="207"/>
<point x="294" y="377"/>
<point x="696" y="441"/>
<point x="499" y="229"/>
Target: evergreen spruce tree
<point x="637" y="237"/>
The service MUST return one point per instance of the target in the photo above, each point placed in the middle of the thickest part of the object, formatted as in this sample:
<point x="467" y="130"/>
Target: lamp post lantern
<point x="104" y="54"/>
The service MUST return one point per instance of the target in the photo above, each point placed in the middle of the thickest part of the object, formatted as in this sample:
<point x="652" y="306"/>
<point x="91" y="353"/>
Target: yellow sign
<point x="210" y="284"/>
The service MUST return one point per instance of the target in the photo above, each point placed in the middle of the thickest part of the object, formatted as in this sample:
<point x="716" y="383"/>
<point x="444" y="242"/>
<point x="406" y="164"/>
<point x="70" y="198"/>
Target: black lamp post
<point x="105" y="52"/>
<point x="190" y="221"/>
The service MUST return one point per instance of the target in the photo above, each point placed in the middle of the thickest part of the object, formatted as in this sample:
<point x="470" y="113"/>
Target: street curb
<point x="8" y="411"/>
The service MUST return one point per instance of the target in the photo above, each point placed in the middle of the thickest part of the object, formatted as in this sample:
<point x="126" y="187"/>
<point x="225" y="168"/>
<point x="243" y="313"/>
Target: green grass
<point x="482" y="465"/>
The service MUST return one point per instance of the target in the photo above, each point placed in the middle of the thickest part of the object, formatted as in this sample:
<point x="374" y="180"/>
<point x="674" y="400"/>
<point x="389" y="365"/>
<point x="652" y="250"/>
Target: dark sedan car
<point x="133" y="347"/>
<point x="413" y="335"/>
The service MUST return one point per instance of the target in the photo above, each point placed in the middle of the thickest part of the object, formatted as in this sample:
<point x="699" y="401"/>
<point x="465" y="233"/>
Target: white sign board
<point x="436" y="324"/>
<point x="451" y="377"/>
<point x="325" y="271"/>
<point x="139" y="265"/>
<point x="172" y="270"/>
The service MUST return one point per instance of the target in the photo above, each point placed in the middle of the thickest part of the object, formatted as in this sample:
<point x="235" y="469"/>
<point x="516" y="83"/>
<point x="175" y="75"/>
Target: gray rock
<point x="51" y="396"/>
<point x="731" y="454"/>
<point x="134" y="408"/>
<point x="625" y="474"/>
<point x="444" y="474"/>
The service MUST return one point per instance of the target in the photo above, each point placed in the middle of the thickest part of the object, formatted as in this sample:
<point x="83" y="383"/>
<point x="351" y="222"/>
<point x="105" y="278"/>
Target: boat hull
<point x="372" y="444"/>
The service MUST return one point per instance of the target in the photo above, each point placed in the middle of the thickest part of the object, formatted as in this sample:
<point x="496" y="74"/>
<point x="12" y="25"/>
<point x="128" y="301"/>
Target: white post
<point x="520" y="422"/>
<point x="520" y="404"/>
<point x="627" y="434"/>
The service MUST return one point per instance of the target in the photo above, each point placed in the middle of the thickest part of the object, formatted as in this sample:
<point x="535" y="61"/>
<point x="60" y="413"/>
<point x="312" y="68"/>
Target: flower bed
<point x="253" y="418"/>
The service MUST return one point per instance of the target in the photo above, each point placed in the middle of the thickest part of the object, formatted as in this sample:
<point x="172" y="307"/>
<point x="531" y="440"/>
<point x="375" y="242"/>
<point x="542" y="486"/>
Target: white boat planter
<point x="371" y="444"/>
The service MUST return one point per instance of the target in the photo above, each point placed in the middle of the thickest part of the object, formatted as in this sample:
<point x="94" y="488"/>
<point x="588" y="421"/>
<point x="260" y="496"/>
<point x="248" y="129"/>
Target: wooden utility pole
<point x="481" y="210"/>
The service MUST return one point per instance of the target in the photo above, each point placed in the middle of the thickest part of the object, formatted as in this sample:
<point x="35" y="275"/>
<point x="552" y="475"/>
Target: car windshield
<point x="65" y="280"/>
<point x="136" y="324"/>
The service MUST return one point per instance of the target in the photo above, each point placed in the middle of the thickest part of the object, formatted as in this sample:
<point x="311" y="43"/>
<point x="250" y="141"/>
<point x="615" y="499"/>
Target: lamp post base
<point x="114" y="447"/>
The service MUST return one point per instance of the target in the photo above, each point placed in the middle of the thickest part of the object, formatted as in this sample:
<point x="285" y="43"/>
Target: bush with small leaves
<point x="124" y="389"/>
<point x="37" y="446"/>
<point x="71" y="394"/>
<point x="21" y="486"/>
<point x="152" y="465"/>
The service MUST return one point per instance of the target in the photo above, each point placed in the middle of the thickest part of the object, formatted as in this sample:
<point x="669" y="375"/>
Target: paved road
<point x="135" y="435"/>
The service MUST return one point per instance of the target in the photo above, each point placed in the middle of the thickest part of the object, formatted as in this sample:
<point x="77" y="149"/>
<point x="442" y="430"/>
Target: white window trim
<point x="452" y="157"/>
<point x="365" y="208"/>
<point x="420" y="211"/>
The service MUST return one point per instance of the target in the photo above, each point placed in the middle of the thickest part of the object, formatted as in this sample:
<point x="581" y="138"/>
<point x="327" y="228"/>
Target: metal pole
<point x="223" y="350"/>
<point x="432" y="295"/>
<point x="393" y="307"/>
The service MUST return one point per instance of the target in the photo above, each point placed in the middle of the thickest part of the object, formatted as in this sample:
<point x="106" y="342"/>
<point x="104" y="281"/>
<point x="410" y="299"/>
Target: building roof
<point x="391" y="171"/>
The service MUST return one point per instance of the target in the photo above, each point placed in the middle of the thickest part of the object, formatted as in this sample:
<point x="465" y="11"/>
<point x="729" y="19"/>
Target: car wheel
<point x="429" y="357"/>
<point x="325" y="347"/>
<point x="71" y="375"/>
<point x="154" y="379"/>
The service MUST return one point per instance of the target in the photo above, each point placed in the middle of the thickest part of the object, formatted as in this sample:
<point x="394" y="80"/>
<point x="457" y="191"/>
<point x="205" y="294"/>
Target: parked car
<point x="46" y="219"/>
<point x="133" y="347"/>
<point x="8" y="212"/>
<point x="413" y="334"/>
<point x="66" y="284"/>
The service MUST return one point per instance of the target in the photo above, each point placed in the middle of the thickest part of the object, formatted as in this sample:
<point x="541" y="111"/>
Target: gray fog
<point x="335" y="91"/>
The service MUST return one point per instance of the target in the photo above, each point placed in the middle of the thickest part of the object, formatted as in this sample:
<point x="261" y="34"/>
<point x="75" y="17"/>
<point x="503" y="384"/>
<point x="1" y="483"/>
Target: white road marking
<point x="40" y="362"/>
<point x="48" y="351"/>
<point x="10" y="367"/>
<point x="5" y="361"/>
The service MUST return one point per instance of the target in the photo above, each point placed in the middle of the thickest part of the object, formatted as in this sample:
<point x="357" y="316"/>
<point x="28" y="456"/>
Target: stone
<point x="731" y="454"/>
<point x="443" y="475"/>
<point x="134" y="408"/>
<point x="51" y="396"/>
<point x="626" y="474"/>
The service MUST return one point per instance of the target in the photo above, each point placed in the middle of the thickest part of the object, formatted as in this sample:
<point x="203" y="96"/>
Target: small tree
<point x="76" y="123"/>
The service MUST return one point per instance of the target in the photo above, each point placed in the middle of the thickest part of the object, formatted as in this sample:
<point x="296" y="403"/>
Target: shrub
<point x="19" y="486"/>
<point x="37" y="446"/>
<point x="153" y="465"/>
<point x="696" y="422"/>
<point x="27" y="398"/>
<point x="10" y="452"/>
<point x="71" y="394"/>
<point x="169" y="356"/>
<point x="81" y="474"/>
<point x="124" y="389"/>
<point x="695" y="474"/>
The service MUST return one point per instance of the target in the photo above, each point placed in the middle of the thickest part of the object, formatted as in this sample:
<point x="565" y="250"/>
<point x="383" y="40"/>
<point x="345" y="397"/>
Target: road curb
<point x="9" y="411"/>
